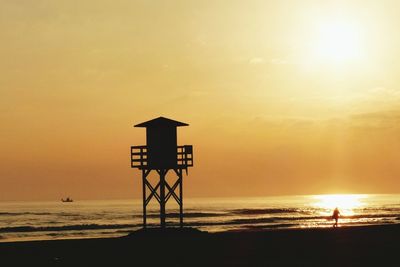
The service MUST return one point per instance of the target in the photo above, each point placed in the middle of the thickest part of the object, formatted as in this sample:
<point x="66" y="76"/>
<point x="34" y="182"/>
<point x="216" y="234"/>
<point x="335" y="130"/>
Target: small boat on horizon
<point x="67" y="200"/>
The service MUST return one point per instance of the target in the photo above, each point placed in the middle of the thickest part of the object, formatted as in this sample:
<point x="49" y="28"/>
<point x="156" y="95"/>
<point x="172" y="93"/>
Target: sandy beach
<point x="345" y="246"/>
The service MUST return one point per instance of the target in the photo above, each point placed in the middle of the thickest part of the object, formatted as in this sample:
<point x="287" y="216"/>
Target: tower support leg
<point x="144" y="182"/>
<point x="162" y="197"/>
<point x="144" y="201"/>
<point x="180" y="198"/>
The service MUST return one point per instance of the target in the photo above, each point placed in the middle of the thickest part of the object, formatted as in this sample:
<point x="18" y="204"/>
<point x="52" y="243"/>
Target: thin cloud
<point x="279" y="61"/>
<point x="256" y="61"/>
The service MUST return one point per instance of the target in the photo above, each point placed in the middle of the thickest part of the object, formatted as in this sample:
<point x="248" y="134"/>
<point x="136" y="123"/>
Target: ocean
<point x="22" y="221"/>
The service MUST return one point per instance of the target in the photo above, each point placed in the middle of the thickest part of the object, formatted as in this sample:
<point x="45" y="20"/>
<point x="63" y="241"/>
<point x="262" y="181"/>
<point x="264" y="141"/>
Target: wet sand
<point x="345" y="246"/>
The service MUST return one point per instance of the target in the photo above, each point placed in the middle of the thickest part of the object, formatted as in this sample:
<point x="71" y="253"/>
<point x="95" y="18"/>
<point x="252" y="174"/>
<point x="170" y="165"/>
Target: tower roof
<point x="161" y="122"/>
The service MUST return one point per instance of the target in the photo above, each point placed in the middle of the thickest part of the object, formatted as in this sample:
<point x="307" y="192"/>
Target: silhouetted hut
<point x="161" y="153"/>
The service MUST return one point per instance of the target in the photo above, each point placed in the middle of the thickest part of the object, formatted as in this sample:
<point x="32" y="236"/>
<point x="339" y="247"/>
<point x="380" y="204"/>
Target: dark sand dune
<point x="350" y="246"/>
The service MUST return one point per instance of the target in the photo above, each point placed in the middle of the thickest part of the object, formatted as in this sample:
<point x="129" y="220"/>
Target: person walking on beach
<point x="335" y="216"/>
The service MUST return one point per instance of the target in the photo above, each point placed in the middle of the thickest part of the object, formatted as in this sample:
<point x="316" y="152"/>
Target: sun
<point x="338" y="41"/>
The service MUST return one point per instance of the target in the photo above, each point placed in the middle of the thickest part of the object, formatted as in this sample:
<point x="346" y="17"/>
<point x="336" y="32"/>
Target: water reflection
<point x="347" y="203"/>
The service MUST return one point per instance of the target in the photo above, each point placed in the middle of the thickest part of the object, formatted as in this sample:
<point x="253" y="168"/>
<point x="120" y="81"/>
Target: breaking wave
<point x="76" y="227"/>
<point x="264" y="211"/>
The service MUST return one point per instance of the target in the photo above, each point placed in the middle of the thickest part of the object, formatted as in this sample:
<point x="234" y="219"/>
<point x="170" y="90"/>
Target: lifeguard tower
<point x="162" y="154"/>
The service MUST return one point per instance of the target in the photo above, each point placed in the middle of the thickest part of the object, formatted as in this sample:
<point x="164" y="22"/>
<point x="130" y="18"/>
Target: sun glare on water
<point x="345" y="203"/>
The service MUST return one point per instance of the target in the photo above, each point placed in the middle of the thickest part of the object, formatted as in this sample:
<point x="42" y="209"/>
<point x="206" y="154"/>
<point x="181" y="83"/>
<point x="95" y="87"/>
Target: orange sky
<point x="282" y="97"/>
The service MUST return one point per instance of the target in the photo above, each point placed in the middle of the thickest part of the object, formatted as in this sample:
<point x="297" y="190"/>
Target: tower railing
<point x="183" y="161"/>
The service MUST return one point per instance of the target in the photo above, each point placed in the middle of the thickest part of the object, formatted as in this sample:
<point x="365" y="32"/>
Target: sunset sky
<point x="282" y="97"/>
